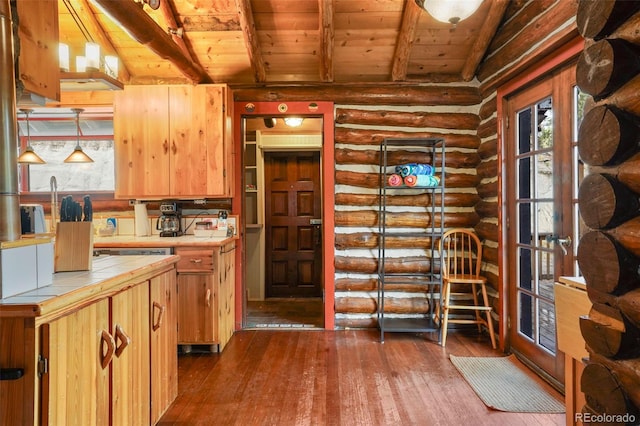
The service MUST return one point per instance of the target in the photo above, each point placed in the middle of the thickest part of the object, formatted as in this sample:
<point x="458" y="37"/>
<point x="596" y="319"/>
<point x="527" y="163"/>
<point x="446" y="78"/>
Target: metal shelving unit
<point x="390" y="151"/>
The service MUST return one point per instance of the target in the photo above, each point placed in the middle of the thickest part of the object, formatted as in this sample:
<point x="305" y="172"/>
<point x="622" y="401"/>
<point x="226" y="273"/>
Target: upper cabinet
<point x="173" y="142"/>
<point x="38" y="47"/>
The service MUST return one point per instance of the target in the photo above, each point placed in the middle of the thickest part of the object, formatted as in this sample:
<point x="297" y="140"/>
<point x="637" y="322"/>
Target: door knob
<point x="564" y="242"/>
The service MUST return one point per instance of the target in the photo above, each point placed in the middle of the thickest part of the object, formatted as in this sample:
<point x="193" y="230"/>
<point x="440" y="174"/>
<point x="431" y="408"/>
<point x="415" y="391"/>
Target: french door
<point x="542" y="177"/>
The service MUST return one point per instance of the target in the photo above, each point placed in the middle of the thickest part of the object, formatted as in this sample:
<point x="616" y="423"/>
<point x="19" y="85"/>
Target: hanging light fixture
<point x="29" y="156"/>
<point x="78" y="155"/>
<point x="450" y="11"/>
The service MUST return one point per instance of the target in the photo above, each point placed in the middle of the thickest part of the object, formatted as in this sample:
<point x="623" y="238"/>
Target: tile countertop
<point x="108" y="275"/>
<point x="131" y="241"/>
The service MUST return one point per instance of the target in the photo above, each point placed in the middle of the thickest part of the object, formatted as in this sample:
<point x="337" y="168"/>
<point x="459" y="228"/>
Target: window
<point x="53" y="136"/>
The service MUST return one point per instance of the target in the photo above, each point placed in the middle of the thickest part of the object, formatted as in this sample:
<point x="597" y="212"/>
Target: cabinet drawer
<point x="195" y="260"/>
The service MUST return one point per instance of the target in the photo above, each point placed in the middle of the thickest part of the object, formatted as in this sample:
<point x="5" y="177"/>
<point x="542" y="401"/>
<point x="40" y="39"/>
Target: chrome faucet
<point x="54" y="202"/>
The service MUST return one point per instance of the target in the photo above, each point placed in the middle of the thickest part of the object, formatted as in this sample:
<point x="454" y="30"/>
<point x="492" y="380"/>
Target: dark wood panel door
<point x="293" y="240"/>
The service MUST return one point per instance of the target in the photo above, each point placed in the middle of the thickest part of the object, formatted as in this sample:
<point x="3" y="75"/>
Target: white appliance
<point x="32" y="219"/>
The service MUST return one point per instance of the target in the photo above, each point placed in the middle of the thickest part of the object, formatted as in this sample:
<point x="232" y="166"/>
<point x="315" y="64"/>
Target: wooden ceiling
<point x="248" y="42"/>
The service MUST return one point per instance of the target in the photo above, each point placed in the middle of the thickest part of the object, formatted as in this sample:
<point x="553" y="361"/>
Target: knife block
<point x="73" y="246"/>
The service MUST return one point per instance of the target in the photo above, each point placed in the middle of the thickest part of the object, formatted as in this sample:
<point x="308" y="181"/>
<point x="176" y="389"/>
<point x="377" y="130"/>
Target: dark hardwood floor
<point x="345" y="377"/>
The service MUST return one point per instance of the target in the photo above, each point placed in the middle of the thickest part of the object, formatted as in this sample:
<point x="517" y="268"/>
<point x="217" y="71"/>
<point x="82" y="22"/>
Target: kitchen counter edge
<point x="131" y="241"/>
<point x="72" y="290"/>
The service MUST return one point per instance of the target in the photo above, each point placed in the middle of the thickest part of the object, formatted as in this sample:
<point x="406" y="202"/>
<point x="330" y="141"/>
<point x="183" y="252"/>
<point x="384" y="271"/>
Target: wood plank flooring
<point x="345" y="377"/>
<point x="285" y="313"/>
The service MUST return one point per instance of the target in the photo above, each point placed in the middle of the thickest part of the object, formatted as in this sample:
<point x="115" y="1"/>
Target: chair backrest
<point x="460" y="253"/>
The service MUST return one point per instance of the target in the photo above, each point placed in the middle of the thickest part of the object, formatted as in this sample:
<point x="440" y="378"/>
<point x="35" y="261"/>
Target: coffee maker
<point x="170" y="220"/>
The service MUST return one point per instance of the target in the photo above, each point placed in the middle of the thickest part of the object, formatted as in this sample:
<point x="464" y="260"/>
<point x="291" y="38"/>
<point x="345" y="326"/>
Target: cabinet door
<point x="76" y="389"/>
<point x="142" y="142"/>
<point x="198" y="141"/>
<point x="164" y="343"/>
<point x="226" y="301"/>
<point x="130" y="393"/>
<point x="197" y="311"/>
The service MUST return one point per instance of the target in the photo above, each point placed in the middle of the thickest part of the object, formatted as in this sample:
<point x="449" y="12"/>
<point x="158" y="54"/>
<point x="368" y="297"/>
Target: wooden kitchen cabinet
<point x="173" y="142"/>
<point x="164" y="340"/>
<point x="86" y="351"/>
<point x="103" y="354"/>
<point x="206" y="295"/>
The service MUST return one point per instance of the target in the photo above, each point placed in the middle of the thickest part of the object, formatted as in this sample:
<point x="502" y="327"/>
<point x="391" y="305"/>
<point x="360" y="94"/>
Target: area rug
<point x="501" y="385"/>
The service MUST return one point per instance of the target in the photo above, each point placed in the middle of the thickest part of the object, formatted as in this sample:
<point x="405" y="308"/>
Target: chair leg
<point x="474" y="291"/>
<point x="445" y="313"/>
<point x="489" y="319"/>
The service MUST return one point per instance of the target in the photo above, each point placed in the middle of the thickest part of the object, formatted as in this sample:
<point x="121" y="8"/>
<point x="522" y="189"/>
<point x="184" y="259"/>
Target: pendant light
<point x="29" y="156"/>
<point x="78" y="155"/>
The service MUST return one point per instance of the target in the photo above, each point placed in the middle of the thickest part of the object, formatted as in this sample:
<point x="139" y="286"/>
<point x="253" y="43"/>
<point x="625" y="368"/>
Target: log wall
<point x="609" y="252"/>
<point x="530" y="31"/>
<point x="359" y="131"/>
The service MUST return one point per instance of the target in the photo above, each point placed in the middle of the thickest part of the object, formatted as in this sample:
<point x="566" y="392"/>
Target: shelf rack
<point x="391" y="151"/>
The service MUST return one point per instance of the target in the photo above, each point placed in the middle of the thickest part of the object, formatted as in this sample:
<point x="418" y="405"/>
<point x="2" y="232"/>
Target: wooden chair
<point x="461" y="256"/>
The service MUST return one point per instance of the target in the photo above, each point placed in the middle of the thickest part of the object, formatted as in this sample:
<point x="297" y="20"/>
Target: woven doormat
<point x="501" y="385"/>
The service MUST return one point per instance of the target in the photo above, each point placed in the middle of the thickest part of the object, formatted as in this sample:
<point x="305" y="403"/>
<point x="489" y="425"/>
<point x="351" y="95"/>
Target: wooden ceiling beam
<point x="487" y="31"/>
<point x="327" y="37"/>
<point x="167" y="10"/>
<point x="248" y="26"/>
<point x="142" y="28"/>
<point x="410" y="18"/>
<point x="87" y="16"/>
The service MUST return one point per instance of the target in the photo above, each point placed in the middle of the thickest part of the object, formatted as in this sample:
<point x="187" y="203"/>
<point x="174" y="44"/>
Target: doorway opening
<point x="286" y="257"/>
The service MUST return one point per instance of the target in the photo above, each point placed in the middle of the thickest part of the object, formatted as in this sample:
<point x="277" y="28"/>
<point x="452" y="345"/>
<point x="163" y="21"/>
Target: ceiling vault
<point x="141" y="27"/>
<point x="327" y="37"/>
<point x="410" y="18"/>
<point x="166" y="9"/>
<point x="257" y="42"/>
<point x="485" y="35"/>
<point x="248" y="27"/>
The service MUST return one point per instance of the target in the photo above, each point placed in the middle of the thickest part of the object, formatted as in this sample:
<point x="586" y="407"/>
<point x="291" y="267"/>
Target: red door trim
<point x="326" y="110"/>
<point x="561" y="56"/>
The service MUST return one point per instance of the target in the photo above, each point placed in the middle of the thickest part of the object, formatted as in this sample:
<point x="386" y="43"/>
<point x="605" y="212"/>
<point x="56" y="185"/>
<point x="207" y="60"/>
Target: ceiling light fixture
<point x="293" y="121"/>
<point x="88" y="75"/>
<point x="450" y="11"/>
<point x="29" y="156"/>
<point x="78" y="155"/>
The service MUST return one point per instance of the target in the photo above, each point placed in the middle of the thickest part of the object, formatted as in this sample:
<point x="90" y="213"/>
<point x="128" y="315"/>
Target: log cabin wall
<point x="359" y="131"/>
<point x="609" y="253"/>
<point x="530" y="31"/>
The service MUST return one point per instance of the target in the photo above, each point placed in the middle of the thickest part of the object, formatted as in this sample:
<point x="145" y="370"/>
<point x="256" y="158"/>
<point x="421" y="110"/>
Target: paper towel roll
<point x="142" y="225"/>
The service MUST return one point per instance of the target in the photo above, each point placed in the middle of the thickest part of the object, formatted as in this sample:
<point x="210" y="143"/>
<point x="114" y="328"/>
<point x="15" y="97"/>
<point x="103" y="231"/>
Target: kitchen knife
<point x="77" y="212"/>
<point x="88" y="209"/>
<point x="63" y="210"/>
<point x="69" y="208"/>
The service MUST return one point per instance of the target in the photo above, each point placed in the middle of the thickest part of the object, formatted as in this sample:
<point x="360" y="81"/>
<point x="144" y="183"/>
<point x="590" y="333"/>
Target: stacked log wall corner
<point x="609" y="253"/>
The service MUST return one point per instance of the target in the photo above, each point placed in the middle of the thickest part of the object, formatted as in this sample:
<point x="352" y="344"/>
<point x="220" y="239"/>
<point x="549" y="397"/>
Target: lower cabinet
<point x="206" y="295"/>
<point x="164" y="340"/>
<point x="86" y="351"/>
<point x="109" y="362"/>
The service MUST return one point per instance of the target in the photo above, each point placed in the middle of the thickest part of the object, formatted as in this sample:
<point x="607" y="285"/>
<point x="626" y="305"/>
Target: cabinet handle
<point x="165" y="146"/>
<point x="160" y="309"/>
<point x="174" y="148"/>
<point x="195" y="260"/>
<point x="123" y="338"/>
<point x="208" y="298"/>
<point x="106" y="339"/>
